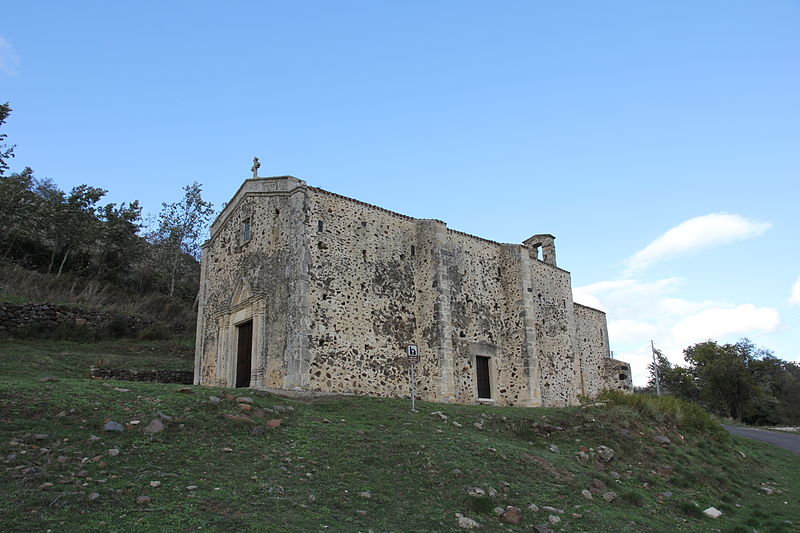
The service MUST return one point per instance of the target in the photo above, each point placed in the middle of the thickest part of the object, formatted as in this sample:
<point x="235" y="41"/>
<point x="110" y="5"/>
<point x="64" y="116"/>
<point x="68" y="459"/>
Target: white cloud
<point x="716" y="322"/>
<point x="794" y="298"/>
<point x="641" y="311"/>
<point x="9" y="61"/>
<point x="696" y="234"/>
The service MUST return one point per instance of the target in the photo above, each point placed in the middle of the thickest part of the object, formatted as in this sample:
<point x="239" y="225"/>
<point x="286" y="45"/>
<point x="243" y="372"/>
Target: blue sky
<point x="659" y="141"/>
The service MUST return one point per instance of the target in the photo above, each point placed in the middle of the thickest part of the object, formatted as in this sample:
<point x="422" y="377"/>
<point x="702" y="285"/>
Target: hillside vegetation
<point x="196" y="458"/>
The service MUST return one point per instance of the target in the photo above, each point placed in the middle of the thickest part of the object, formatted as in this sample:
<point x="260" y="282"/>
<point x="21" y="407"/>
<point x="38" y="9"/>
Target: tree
<point x="180" y="226"/>
<point x="6" y="151"/>
<point x="725" y="379"/>
<point x="676" y="380"/>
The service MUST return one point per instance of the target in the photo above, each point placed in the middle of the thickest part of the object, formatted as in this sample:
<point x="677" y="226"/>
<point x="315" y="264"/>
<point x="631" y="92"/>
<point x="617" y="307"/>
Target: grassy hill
<point x="356" y="464"/>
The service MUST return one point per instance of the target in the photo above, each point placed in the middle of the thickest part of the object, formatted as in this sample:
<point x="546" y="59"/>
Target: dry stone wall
<point x="16" y="318"/>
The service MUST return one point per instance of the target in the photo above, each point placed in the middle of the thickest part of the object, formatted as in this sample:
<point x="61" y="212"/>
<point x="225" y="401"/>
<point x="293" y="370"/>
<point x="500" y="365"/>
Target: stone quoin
<point x="302" y="288"/>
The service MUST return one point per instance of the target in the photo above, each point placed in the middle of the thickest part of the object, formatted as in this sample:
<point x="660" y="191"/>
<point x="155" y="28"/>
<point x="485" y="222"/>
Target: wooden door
<point x="244" y="354"/>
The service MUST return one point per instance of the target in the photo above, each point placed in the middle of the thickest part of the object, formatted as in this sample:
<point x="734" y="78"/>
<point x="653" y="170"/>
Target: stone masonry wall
<point x="368" y="275"/>
<point x="20" y="317"/>
<point x="592" y="342"/>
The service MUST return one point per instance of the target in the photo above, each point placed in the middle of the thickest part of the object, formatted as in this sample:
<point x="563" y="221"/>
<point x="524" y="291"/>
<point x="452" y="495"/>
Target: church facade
<point x="302" y="288"/>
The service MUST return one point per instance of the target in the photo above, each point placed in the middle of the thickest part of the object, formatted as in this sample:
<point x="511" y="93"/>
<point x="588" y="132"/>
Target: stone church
<point x="302" y="288"/>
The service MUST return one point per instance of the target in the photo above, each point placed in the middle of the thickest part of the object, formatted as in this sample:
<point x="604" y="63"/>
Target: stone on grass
<point x="605" y="453"/>
<point x="155" y="426"/>
<point x="665" y="471"/>
<point x="475" y="491"/>
<point x="440" y="414"/>
<point x="554" y="519"/>
<point x="191" y="487"/>
<point x="466" y="523"/>
<point x="365" y="494"/>
<point x="214" y="399"/>
<point x="47" y="379"/>
<point x="553" y="448"/>
<point x="662" y="440"/>
<point x="586" y="494"/>
<point x="456" y="472"/>
<point x="93" y="496"/>
<point x="274" y="423"/>
<point x="143" y="500"/>
<point x="712" y="512"/>
<point x="246" y="407"/>
<point x="155" y="483"/>
<point x="498" y="511"/>
<point x="185" y="390"/>
<point x="533" y="507"/>
<point x="542" y="529"/>
<point x="113" y="452"/>
<point x="111" y="425"/>
<point x="239" y="418"/>
<point x="512" y="515"/>
<point x="244" y="399"/>
<point x="610" y="496"/>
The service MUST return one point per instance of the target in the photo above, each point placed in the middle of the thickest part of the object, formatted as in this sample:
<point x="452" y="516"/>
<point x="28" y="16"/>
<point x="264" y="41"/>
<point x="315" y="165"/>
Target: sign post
<point x="412" y="351"/>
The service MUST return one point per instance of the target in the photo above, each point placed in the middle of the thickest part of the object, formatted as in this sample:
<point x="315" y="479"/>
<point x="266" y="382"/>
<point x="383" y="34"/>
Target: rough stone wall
<point x="591" y="336"/>
<point x="617" y="375"/>
<point x="260" y="274"/>
<point x="554" y="311"/>
<point x="22" y="317"/>
<point x="369" y="274"/>
<point x="484" y="280"/>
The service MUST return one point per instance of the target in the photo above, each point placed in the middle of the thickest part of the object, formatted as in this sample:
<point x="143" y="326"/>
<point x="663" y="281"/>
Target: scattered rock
<point x="665" y="471"/>
<point x="598" y="486"/>
<point x="191" y="487"/>
<point x="712" y="512"/>
<point x="109" y="426"/>
<point x="610" y="496"/>
<point x="10" y="457"/>
<point x="93" y="496"/>
<point x="767" y="490"/>
<point x="282" y="408"/>
<point x="274" y="423"/>
<point x="143" y="500"/>
<point x="614" y="475"/>
<point x="667" y="494"/>
<point x="581" y="456"/>
<point x="456" y="472"/>
<point x="162" y="416"/>
<point x="456" y="424"/>
<point x="258" y="430"/>
<point x="586" y="494"/>
<point x="662" y="440"/>
<point x="440" y="414"/>
<point x="239" y="418"/>
<point x="226" y="449"/>
<point x="533" y="507"/>
<point x="155" y="483"/>
<point x="475" y="491"/>
<point x="246" y="407"/>
<point x="491" y="492"/>
<point x="554" y="519"/>
<point x="155" y="426"/>
<point x="512" y="515"/>
<point x="498" y="511"/>
<point x="466" y="523"/>
<point x="214" y="399"/>
<point x="365" y="494"/>
<point x="478" y="425"/>
<point x="605" y="453"/>
<point x="46" y="485"/>
<point x="47" y="379"/>
<point x="552" y="509"/>
<point x="185" y="390"/>
<point x="120" y="389"/>
<point x="553" y="448"/>
<point x="244" y="399"/>
<point x="542" y="529"/>
<point x="113" y="452"/>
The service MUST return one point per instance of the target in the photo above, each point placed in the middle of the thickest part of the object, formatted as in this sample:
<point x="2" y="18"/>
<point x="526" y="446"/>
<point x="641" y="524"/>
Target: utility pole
<point x="655" y="369"/>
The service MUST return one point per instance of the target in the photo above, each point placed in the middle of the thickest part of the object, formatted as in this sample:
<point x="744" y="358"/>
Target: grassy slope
<point x="308" y="474"/>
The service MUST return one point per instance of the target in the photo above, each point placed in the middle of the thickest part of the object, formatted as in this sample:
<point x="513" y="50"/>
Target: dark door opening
<point x="244" y="354"/>
<point x="482" y="372"/>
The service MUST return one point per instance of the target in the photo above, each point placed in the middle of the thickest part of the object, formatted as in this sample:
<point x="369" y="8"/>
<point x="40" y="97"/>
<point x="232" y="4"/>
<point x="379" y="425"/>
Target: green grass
<point x="309" y="474"/>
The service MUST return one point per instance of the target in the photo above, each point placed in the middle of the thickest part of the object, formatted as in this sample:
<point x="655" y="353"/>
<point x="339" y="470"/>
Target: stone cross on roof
<point x="256" y="166"/>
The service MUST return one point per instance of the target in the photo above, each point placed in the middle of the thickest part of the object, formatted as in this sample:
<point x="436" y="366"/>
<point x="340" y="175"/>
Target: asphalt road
<point x="789" y="441"/>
